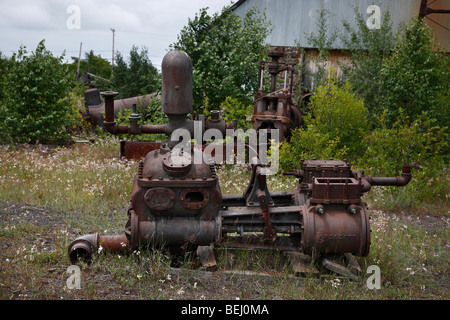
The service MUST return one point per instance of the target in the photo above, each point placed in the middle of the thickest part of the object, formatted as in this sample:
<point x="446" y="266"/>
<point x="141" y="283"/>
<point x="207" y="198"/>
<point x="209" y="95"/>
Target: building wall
<point x="293" y="20"/>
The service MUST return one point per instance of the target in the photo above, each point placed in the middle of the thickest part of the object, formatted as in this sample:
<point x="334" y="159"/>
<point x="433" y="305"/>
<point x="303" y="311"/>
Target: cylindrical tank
<point x="336" y="229"/>
<point x="176" y="73"/>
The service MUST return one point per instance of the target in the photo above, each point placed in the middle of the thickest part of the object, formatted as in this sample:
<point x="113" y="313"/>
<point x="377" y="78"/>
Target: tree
<point x="92" y="63"/>
<point x="416" y="77"/>
<point x="369" y="49"/>
<point x="323" y="41"/>
<point x="137" y="77"/>
<point x="37" y="107"/>
<point x="225" y="52"/>
<point x="5" y="65"/>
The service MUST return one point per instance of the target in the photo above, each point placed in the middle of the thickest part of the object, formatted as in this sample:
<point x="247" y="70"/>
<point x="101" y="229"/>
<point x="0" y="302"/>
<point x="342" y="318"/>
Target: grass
<point x="50" y="197"/>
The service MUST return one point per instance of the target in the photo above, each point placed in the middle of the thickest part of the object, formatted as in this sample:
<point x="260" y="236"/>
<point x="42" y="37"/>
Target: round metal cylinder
<point x="176" y="73"/>
<point x="336" y="230"/>
<point x="178" y="231"/>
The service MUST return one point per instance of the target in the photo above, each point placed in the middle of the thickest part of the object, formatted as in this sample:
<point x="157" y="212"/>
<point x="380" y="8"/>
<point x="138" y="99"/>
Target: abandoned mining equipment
<point x="95" y="108"/>
<point x="276" y="108"/>
<point x="176" y="202"/>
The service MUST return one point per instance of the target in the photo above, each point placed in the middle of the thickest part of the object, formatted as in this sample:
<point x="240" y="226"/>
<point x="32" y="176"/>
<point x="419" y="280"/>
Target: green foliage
<point x="334" y="129"/>
<point x="323" y="41"/>
<point x="416" y="77"/>
<point x="94" y="64"/>
<point x="235" y="109"/>
<point x="137" y="77"/>
<point x="308" y="143"/>
<point x="420" y="143"/>
<point x="150" y="113"/>
<point x="337" y="111"/>
<point x="225" y="51"/>
<point x="37" y="107"/>
<point x="369" y="50"/>
<point x="5" y="65"/>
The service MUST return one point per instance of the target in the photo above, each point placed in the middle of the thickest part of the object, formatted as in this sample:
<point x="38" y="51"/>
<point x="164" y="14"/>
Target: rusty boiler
<point x="176" y="201"/>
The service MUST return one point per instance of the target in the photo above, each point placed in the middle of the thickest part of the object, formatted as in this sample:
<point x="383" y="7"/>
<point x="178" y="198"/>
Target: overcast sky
<point x="64" y="24"/>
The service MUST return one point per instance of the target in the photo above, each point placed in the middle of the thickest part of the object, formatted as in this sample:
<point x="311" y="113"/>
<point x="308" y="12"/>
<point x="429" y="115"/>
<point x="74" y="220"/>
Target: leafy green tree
<point x="416" y="77"/>
<point x="91" y="63"/>
<point x="5" y="65"/>
<point x="323" y="40"/>
<point x="37" y="107"/>
<point x="137" y="77"/>
<point x="225" y="50"/>
<point x="369" y="49"/>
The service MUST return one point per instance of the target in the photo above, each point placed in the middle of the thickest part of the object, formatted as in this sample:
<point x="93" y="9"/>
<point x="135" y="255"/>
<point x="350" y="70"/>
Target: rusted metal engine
<point x="176" y="201"/>
<point x="275" y="109"/>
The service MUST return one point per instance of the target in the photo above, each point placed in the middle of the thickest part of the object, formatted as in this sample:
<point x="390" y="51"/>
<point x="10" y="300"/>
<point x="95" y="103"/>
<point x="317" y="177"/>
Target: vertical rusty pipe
<point x="109" y="105"/>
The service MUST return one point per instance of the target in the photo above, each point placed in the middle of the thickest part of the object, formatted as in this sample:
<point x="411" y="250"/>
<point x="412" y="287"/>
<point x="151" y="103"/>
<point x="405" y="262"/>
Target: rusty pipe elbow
<point x="81" y="249"/>
<point x="400" y="181"/>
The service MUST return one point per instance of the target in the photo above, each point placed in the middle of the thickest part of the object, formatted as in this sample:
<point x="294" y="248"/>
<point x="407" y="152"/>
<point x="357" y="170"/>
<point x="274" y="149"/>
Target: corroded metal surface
<point x="176" y="201"/>
<point x="275" y="109"/>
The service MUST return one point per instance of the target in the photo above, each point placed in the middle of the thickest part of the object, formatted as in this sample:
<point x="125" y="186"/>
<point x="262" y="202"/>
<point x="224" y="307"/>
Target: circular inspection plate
<point x="177" y="162"/>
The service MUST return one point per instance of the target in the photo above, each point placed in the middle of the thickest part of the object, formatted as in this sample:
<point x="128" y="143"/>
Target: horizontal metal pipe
<point x="83" y="248"/>
<point x="400" y="181"/>
<point x="114" y="128"/>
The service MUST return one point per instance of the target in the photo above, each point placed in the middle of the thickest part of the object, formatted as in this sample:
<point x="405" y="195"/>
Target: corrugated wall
<point x="293" y="20"/>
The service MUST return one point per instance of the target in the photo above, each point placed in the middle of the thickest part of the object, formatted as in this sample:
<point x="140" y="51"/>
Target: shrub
<point x="308" y="143"/>
<point x="420" y="143"/>
<point x="37" y="107"/>
<point x="338" y="112"/>
<point x="416" y="77"/>
<point x="334" y="128"/>
<point x="234" y="109"/>
<point x="150" y="113"/>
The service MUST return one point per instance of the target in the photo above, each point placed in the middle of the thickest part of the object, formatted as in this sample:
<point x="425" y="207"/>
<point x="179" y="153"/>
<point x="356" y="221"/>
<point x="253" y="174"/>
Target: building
<point x="293" y="20"/>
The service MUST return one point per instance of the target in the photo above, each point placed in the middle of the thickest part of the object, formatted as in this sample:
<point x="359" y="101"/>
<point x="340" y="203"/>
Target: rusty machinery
<point x="95" y="108"/>
<point x="179" y="204"/>
<point x="276" y="108"/>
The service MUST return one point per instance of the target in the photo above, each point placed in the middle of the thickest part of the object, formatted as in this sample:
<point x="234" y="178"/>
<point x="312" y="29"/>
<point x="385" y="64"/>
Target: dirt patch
<point x="11" y="213"/>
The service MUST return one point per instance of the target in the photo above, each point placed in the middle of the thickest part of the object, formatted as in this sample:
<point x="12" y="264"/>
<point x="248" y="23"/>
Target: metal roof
<point x="293" y="20"/>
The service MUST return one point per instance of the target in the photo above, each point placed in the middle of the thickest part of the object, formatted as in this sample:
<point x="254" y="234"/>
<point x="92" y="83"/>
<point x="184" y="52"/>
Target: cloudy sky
<point x="64" y="24"/>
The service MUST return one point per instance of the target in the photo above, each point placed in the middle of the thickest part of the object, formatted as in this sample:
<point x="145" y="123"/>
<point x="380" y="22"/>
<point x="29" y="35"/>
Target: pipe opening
<point x="80" y="254"/>
<point x="194" y="197"/>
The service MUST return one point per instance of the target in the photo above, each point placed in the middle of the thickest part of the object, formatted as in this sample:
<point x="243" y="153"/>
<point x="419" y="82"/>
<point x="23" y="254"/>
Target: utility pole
<point x="112" y="68"/>
<point x="79" y="58"/>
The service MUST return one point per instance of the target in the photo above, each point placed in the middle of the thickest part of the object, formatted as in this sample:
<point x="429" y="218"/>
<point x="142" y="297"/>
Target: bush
<point x="308" y="143"/>
<point x="234" y="109"/>
<point x="37" y="107"/>
<point x="150" y="113"/>
<point x="416" y="77"/>
<point x="338" y="112"/>
<point x="334" y="129"/>
<point x="420" y="143"/>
